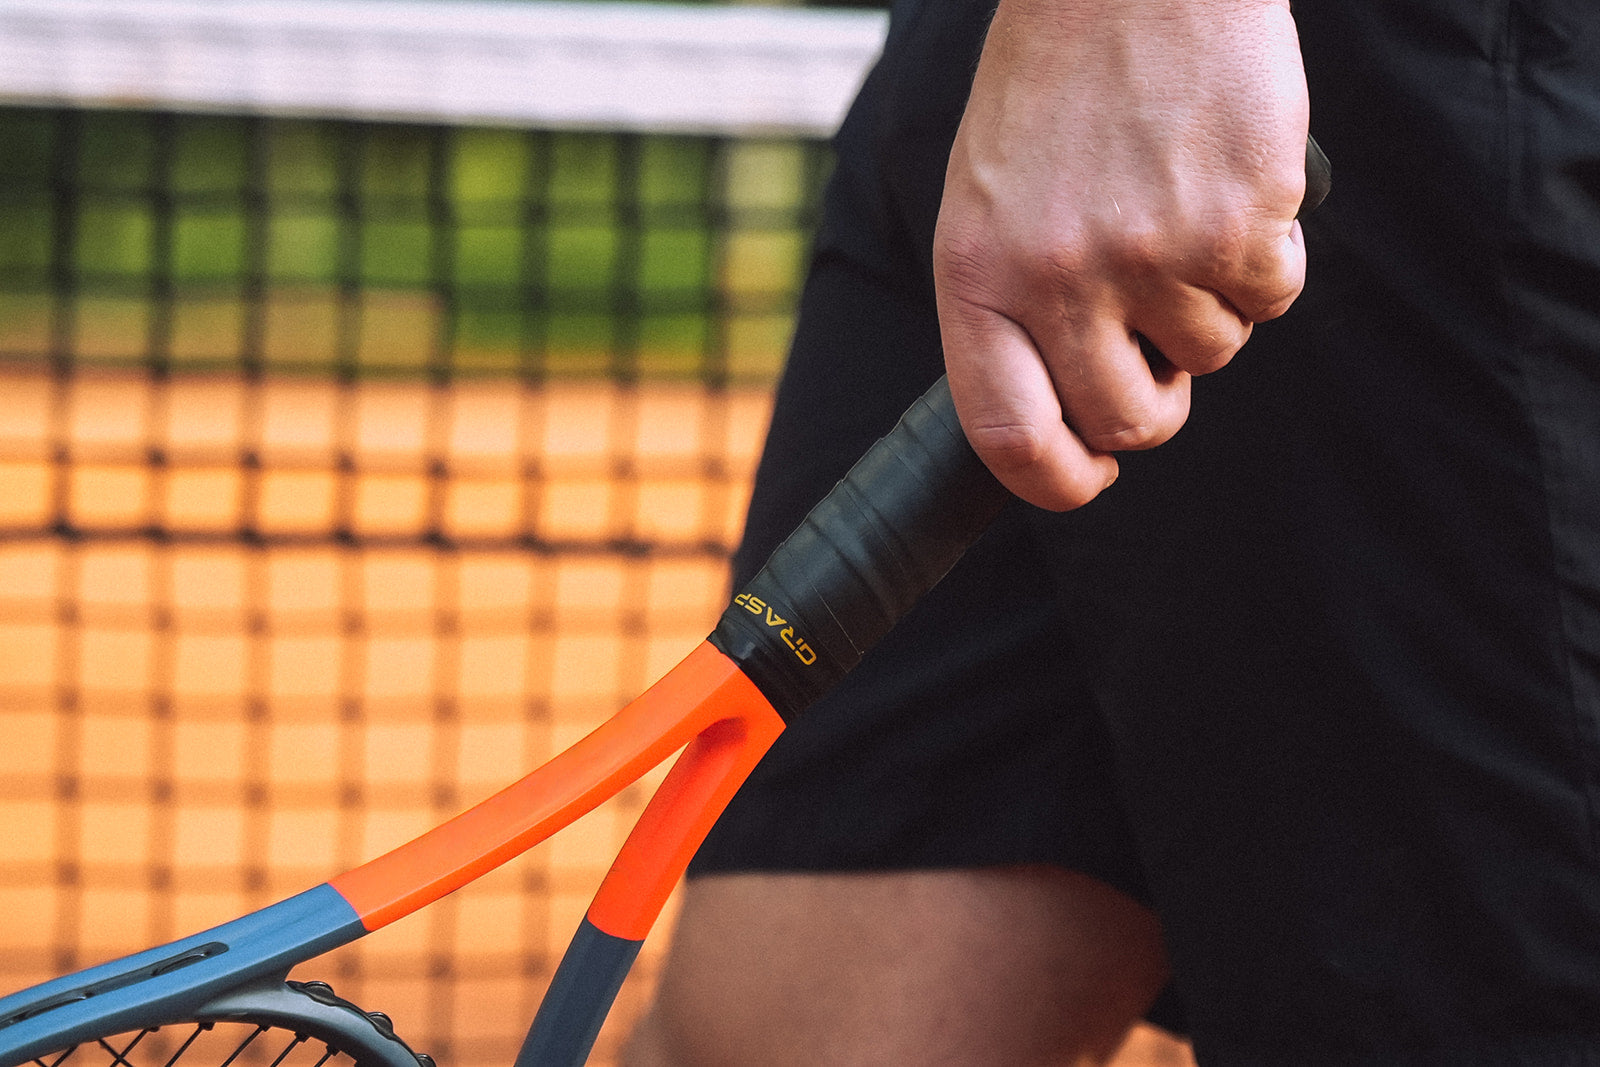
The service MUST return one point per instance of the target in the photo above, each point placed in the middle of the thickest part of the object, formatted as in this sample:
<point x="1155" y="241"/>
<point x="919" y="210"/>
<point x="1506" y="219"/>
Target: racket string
<point x="178" y="1055"/>
<point x="204" y="1045"/>
<point x="121" y="1058"/>
<point x="243" y="1045"/>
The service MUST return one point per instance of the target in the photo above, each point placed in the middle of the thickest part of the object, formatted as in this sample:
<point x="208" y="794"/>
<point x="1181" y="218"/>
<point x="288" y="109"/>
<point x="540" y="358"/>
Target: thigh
<point x="1013" y="966"/>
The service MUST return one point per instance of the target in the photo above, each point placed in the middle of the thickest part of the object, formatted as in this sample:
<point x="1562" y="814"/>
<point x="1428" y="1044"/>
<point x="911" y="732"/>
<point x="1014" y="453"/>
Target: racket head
<point x="175" y="981"/>
<point x="266" y="1023"/>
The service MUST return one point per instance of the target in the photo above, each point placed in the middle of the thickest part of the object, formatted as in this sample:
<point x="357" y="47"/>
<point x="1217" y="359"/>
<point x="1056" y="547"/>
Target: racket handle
<point x="1319" y="178"/>
<point x="878" y="541"/>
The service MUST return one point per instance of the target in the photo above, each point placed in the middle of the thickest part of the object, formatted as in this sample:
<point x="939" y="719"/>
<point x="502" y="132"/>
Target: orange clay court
<point x="440" y="588"/>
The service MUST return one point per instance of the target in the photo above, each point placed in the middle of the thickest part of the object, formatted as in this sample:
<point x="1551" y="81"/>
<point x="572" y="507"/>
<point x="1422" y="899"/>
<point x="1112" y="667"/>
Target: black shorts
<point x="1320" y="678"/>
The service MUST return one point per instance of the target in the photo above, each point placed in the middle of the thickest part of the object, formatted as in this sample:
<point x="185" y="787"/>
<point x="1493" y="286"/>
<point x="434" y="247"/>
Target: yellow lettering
<point x="756" y="606"/>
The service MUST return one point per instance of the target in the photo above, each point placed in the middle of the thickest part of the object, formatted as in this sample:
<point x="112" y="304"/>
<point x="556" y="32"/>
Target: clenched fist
<point x="1119" y="210"/>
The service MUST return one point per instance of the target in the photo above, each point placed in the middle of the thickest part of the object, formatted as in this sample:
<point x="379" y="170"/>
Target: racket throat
<point x="590" y="974"/>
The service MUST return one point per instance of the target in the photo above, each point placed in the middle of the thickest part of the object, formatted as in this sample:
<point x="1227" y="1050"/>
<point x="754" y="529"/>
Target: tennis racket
<point x="864" y="555"/>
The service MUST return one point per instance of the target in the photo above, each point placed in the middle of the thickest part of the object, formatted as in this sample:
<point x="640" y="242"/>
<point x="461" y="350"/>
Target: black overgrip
<point x="1319" y="178"/>
<point x="875" y="544"/>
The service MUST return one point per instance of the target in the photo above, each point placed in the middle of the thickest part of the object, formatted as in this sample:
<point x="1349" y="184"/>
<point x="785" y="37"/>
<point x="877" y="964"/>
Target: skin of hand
<point x="1124" y="170"/>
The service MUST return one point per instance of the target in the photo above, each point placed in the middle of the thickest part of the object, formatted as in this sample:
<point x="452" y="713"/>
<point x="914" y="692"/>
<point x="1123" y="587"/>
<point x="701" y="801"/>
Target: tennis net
<point x="380" y="383"/>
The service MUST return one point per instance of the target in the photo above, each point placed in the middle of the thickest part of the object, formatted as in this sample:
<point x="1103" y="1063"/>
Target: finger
<point x="1009" y="410"/>
<point x="1268" y="278"/>
<point x="1194" y="329"/>
<point x="1111" y="396"/>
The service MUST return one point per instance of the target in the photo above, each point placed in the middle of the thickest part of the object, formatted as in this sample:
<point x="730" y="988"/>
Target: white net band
<point x="611" y="66"/>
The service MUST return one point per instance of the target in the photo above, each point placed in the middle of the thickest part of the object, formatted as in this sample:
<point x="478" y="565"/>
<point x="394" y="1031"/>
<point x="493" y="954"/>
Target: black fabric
<point x="874" y="775"/>
<point x="1320" y="678"/>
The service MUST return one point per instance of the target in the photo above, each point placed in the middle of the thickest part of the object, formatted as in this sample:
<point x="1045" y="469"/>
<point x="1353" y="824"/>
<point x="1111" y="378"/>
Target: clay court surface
<point x="435" y="590"/>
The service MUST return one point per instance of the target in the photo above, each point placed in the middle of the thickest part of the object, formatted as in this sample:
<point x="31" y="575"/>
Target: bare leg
<point x="1004" y="966"/>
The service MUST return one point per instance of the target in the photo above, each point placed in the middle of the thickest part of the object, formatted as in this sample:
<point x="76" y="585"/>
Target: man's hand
<point x="1125" y="170"/>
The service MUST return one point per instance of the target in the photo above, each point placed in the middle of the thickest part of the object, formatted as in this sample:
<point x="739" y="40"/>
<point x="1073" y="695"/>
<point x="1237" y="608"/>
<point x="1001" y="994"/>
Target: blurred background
<point x="380" y="385"/>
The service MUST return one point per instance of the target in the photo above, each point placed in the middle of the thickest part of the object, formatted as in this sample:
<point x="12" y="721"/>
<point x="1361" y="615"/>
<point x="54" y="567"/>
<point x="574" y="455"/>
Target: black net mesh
<point x="348" y="471"/>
